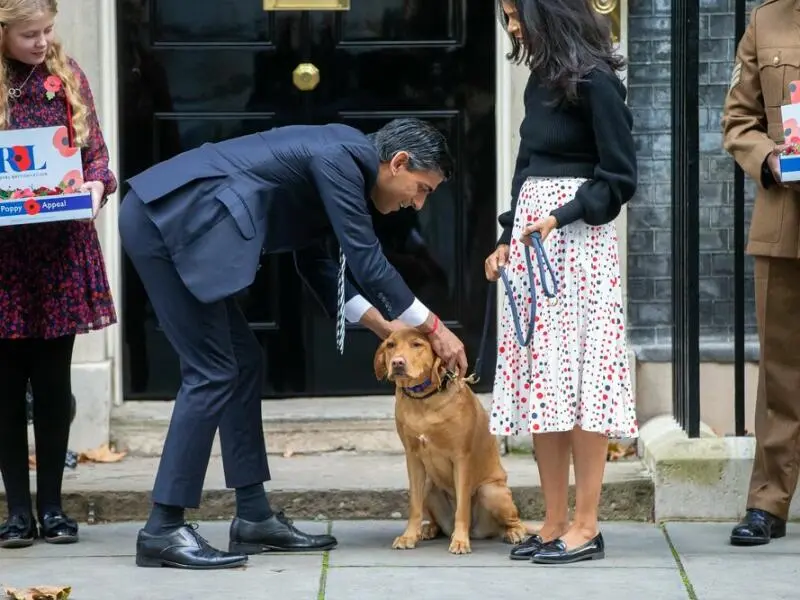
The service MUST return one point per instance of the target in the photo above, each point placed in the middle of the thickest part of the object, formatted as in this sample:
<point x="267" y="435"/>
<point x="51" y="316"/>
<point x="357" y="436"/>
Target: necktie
<point x="340" y="321"/>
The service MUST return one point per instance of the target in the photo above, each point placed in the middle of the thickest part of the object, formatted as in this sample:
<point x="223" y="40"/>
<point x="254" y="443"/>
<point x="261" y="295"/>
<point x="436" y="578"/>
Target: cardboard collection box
<point x="40" y="174"/>
<point x="790" y="115"/>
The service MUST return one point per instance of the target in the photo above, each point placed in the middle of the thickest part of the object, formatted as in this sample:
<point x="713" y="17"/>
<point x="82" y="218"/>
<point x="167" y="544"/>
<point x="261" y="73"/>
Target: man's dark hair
<point x="426" y="146"/>
<point x="562" y="42"/>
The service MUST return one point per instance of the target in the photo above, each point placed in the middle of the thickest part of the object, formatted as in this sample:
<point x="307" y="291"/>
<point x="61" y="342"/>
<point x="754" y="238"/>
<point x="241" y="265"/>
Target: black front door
<point x="227" y="68"/>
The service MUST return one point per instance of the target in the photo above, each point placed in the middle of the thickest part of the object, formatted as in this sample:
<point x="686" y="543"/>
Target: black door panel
<point x="224" y="69"/>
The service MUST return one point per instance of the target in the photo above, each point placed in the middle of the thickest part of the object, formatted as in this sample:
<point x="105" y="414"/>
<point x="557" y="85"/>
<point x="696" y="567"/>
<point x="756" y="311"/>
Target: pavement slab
<point x="516" y="582"/>
<point x="102" y="566"/>
<point x="369" y="544"/>
<point x="719" y="571"/>
<point x="288" y="578"/>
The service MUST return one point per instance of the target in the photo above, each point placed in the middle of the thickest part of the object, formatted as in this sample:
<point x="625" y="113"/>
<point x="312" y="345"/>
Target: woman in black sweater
<point x="576" y="167"/>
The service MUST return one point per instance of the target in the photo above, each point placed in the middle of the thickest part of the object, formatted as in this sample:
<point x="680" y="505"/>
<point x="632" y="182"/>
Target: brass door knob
<point x="305" y="77"/>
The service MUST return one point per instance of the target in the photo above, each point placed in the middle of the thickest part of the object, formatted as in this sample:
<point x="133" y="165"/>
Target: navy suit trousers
<point x="221" y="365"/>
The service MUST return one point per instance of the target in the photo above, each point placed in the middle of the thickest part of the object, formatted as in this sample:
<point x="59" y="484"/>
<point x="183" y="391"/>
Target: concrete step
<point x="291" y="426"/>
<point x="340" y="485"/>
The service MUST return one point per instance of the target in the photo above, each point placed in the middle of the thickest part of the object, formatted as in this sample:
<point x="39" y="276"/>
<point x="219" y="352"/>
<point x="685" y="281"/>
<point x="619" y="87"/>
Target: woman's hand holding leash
<point x="496" y="261"/>
<point x="543" y="226"/>
<point x="532" y="236"/>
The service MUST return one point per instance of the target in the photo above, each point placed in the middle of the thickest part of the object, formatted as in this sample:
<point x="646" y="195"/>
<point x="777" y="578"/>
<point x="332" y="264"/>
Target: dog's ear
<point x="379" y="364"/>
<point x="436" y="372"/>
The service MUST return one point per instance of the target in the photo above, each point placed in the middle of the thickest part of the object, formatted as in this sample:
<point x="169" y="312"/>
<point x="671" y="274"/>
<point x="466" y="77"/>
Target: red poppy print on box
<point x="32" y="207"/>
<point x="72" y="181"/>
<point x="61" y="143"/>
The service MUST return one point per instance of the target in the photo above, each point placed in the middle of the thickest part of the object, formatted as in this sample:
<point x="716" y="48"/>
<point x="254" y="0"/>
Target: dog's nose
<point x="398" y="364"/>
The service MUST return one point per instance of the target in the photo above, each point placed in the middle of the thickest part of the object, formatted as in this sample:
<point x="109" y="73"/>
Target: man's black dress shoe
<point x="527" y="548"/>
<point x="276" y="534"/>
<point x="757" y="528"/>
<point x="58" y="528"/>
<point x="183" y="548"/>
<point x="556" y="553"/>
<point x="19" y="531"/>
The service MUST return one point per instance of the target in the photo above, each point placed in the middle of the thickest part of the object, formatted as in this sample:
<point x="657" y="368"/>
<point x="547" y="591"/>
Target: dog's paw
<point x="405" y="542"/>
<point x="460" y="546"/>
<point x="515" y="534"/>
<point x="429" y="531"/>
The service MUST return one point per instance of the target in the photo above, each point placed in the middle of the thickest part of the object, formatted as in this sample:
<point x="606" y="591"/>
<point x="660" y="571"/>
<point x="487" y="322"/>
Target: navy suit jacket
<point x="219" y="206"/>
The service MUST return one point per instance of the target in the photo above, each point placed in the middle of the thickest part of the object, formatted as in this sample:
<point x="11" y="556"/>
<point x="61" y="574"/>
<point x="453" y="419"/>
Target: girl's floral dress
<point x="52" y="276"/>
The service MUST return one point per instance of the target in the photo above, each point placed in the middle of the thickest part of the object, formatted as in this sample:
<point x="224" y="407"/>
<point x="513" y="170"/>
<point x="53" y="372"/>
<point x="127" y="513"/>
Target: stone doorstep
<point x="291" y="426"/>
<point x="332" y="486"/>
<point x="706" y="478"/>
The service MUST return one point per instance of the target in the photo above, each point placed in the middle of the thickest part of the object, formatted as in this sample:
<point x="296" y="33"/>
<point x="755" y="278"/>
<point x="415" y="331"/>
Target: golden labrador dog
<point x="457" y="484"/>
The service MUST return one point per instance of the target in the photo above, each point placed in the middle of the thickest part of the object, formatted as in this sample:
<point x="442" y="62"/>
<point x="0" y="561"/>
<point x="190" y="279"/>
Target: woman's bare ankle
<point x="552" y="530"/>
<point x="584" y="529"/>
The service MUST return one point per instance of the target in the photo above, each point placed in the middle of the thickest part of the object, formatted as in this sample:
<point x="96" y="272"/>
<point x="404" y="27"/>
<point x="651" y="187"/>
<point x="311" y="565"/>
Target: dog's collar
<point x="420" y="387"/>
<point x="426" y="385"/>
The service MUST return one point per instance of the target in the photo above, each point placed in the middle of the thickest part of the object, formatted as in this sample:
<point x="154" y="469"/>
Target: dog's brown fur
<point x="456" y="480"/>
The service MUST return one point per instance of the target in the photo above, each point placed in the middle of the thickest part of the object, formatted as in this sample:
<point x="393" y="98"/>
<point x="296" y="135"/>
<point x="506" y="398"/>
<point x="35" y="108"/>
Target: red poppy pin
<point x="51" y="85"/>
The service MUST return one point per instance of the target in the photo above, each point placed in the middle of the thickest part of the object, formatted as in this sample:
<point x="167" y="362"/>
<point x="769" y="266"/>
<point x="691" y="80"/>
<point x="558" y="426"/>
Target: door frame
<point x="109" y="232"/>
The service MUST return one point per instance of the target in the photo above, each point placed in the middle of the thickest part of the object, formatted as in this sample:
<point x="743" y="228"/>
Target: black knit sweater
<point x="590" y="139"/>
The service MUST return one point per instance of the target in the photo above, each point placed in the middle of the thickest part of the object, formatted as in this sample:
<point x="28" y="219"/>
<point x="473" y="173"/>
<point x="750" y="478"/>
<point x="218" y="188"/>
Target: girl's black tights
<point x="46" y="363"/>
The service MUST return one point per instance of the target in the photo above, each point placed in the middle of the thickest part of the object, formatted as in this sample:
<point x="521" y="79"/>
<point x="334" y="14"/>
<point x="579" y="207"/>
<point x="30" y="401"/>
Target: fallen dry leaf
<point x="103" y="454"/>
<point x="288" y="453"/>
<point x="616" y="450"/>
<point x="44" y="592"/>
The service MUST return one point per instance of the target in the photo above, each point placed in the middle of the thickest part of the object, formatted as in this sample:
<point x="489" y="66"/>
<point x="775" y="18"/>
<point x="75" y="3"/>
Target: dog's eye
<point x="390" y="344"/>
<point x="417" y="344"/>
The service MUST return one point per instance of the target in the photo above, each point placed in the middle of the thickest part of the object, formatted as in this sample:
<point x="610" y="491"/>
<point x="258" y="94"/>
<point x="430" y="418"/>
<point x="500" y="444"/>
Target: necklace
<point x="16" y="92"/>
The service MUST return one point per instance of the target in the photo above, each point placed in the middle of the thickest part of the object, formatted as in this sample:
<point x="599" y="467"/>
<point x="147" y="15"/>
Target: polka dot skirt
<point x="576" y="369"/>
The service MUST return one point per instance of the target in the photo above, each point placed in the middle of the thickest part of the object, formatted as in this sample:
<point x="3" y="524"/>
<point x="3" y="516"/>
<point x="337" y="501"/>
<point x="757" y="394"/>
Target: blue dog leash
<point x="545" y="269"/>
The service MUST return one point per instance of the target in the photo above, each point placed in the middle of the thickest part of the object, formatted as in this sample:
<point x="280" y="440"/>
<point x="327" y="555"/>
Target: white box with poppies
<point x="40" y="174"/>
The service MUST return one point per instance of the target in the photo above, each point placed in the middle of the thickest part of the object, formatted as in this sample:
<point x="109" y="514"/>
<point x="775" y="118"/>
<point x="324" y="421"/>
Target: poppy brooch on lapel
<point x="51" y="85"/>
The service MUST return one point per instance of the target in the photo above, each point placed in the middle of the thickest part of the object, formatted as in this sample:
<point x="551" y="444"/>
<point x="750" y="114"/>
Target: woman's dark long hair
<point x="562" y="42"/>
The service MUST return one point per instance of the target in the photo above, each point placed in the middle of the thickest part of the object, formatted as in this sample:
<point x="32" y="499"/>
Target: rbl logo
<point x="19" y="159"/>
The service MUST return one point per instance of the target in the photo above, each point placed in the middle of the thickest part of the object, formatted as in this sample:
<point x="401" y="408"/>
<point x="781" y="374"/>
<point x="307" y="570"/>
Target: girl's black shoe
<point x="58" y="528"/>
<point x="18" y="531"/>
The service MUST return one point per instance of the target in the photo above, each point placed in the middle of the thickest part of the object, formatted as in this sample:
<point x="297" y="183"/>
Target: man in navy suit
<point x="195" y="227"/>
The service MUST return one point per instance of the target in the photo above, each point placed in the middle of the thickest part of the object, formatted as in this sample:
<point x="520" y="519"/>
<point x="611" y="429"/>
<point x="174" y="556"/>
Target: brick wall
<point x="650" y="213"/>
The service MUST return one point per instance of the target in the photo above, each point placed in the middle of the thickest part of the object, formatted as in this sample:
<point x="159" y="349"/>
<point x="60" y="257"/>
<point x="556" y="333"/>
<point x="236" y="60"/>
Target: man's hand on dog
<point x="450" y="349"/>
<point x="392" y="326"/>
<point x="495" y="262"/>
